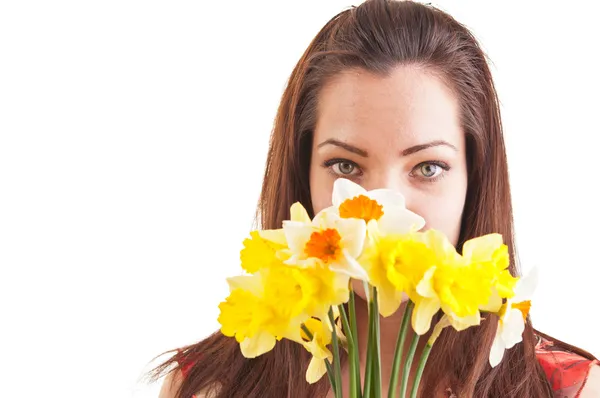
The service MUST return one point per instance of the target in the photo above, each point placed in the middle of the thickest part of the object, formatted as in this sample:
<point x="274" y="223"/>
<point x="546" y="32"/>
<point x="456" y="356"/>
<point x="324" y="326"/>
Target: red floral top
<point x="566" y="371"/>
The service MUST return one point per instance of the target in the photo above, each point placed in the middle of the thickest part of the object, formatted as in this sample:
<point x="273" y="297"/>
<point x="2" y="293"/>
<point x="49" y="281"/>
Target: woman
<point x="396" y="95"/>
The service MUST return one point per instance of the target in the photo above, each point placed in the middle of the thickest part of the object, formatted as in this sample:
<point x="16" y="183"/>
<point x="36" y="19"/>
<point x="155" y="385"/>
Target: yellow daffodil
<point x="317" y="346"/>
<point x="384" y="206"/>
<point x="429" y="252"/>
<point x="328" y="240"/>
<point x="463" y="285"/>
<point x="272" y="303"/>
<point x="311" y="290"/>
<point x="513" y="315"/>
<point x="395" y="265"/>
<point x="265" y="307"/>
<point x="258" y="313"/>
<point x="455" y="288"/>
<point x="259" y="252"/>
<point x="237" y="314"/>
<point x="491" y="256"/>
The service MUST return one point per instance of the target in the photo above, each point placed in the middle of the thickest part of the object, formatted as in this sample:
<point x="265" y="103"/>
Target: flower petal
<point x="348" y="265"/>
<point x="353" y="232"/>
<point x="513" y="327"/>
<point x="440" y="244"/>
<point x="301" y="262"/>
<point x="387" y="198"/>
<point x="400" y="221"/>
<point x="316" y="370"/>
<point x="498" y="347"/>
<point x="294" y="259"/>
<point x="389" y="300"/>
<point x="251" y="283"/>
<point x="299" y="213"/>
<point x="444" y="322"/>
<point x="494" y="304"/>
<point x="316" y="349"/>
<point x="274" y="235"/>
<point x="345" y="189"/>
<point x="424" y="310"/>
<point x="465" y="322"/>
<point x="525" y="286"/>
<point x="481" y="248"/>
<point x="340" y="291"/>
<point x="297" y="234"/>
<point x="257" y="345"/>
<point x="425" y="286"/>
<point x="326" y="218"/>
<point x="293" y="331"/>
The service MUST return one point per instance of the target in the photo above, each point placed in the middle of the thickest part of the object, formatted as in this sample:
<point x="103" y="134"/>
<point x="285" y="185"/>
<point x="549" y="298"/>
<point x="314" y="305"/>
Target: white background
<point x="133" y="136"/>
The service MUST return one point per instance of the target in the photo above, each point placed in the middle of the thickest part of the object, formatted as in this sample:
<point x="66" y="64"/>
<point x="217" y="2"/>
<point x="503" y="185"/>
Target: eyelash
<point x="443" y="165"/>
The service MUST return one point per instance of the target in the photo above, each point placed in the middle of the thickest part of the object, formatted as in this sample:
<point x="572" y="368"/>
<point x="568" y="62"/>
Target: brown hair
<point x="377" y="36"/>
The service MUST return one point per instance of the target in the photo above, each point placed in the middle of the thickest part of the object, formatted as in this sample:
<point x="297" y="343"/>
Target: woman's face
<point x="401" y="132"/>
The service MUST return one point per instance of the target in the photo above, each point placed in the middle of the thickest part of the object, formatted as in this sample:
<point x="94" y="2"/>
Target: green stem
<point x="355" y="354"/>
<point x="331" y="376"/>
<point x="327" y="364"/>
<point x="399" y="348"/>
<point x="408" y="364"/>
<point x="345" y="323"/>
<point x="336" y="357"/>
<point x="373" y="364"/>
<point x="369" y="362"/>
<point x="307" y="331"/>
<point x="377" y="347"/>
<point x="351" y="349"/>
<point x="422" y="362"/>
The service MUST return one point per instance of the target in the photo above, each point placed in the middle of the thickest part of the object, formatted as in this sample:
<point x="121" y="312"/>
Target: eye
<point x="342" y="167"/>
<point x="430" y="171"/>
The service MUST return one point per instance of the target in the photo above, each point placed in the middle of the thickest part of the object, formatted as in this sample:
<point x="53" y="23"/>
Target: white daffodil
<point x="327" y="240"/>
<point x="385" y="206"/>
<point x="512" y="317"/>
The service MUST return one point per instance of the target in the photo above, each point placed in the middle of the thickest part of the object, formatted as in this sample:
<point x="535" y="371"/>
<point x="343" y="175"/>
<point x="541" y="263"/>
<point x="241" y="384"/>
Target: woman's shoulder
<point x="572" y="372"/>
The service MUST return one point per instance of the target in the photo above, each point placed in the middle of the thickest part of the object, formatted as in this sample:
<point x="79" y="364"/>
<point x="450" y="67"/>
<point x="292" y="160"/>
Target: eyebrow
<point x="343" y="145"/>
<point x="420" y="147"/>
<point x="406" y="152"/>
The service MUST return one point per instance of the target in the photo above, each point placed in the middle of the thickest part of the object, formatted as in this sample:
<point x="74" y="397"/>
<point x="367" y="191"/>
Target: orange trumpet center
<point x="324" y="245"/>
<point x="361" y="207"/>
<point x="524" y="307"/>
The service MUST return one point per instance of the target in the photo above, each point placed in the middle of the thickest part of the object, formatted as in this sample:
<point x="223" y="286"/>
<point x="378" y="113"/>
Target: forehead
<point x="409" y="106"/>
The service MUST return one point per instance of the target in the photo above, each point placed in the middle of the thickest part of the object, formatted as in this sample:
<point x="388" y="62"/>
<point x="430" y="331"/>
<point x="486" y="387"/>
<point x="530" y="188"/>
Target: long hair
<point x="378" y="36"/>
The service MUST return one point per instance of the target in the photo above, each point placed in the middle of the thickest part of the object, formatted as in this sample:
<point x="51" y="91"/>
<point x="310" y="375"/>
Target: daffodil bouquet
<point x="299" y="285"/>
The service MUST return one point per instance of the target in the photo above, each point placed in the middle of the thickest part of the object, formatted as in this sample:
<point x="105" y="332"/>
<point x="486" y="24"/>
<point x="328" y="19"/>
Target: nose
<point x="390" y="179"/>
<point x="386" y="179"/>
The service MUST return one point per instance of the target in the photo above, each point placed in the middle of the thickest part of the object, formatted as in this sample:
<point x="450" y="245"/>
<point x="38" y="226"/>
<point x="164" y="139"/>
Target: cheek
<point x="443" y="212"/>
